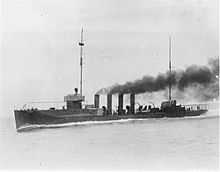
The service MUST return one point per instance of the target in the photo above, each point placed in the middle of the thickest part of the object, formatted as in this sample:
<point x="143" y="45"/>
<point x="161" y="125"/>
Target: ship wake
<point x="75" y="124"/>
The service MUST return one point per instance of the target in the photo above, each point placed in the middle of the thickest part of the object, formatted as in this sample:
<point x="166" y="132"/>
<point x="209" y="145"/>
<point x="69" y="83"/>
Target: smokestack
<point x="109" y="104"/>
<point x="132" y="103"/>
<point x="120" y="103"/>
<point x="96" y="101"/>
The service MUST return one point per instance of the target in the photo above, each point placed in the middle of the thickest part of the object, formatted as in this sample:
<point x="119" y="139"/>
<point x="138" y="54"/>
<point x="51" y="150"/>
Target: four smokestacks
<point x="120" y="103"/>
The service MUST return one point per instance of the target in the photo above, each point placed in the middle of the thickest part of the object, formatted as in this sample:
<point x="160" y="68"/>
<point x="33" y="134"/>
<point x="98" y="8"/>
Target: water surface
<point x="163" y="144"/>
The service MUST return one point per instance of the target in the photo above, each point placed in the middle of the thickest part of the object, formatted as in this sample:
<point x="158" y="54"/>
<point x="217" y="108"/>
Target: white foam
<point x="37" y="126"/>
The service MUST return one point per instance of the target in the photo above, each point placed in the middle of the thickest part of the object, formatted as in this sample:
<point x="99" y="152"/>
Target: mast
<point x="81" y="44"/>
<point x="170" y="71"/>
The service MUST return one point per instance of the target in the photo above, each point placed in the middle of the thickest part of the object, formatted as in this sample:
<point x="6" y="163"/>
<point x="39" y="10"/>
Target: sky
<point x="124" y="40"/>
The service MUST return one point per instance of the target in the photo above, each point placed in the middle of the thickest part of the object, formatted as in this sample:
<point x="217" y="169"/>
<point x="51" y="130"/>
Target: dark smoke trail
<point x="204" y="76"/>
<point x="195" y="75"/>
<point x="146" y="84"/>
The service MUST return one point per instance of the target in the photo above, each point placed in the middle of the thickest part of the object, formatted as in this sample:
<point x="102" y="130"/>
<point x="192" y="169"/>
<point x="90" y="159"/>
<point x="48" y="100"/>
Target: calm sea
<point x="190" y="143"/>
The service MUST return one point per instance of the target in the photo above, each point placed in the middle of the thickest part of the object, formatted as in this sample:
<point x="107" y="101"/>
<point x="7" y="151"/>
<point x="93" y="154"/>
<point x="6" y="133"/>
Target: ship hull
<point x="37" y="117"/>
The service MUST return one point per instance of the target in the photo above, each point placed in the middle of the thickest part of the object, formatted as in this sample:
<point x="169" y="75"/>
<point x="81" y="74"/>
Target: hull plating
<point x="25" y="118"/>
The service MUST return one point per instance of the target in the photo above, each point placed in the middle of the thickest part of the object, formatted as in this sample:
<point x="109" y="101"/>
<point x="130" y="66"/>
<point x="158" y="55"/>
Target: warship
<point x="72" y="111"/>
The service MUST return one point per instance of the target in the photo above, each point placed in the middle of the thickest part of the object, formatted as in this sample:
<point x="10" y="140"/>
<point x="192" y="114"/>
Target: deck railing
<point x="41" y="105"/>
<point x="196" y="106"/>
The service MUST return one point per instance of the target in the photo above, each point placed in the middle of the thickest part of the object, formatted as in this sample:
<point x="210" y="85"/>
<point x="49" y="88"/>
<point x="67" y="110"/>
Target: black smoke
<point x="146" y="84"/>
<point x="195" y="75"/>
<point x="205" y="77"/>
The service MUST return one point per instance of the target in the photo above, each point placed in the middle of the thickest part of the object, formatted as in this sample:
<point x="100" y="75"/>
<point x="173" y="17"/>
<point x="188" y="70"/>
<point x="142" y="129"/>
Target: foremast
<point x="81" y="44"/>
<point x="170" y="71"/>
<point x="74" y="101"/>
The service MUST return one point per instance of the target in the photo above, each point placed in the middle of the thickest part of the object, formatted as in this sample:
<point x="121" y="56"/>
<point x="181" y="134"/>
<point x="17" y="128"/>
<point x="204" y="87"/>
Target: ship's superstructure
<point x="74" y="101"/>
<point x="73" y="111"/>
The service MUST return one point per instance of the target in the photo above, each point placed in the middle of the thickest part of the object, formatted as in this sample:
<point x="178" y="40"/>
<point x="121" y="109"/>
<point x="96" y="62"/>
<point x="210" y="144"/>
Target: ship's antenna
<point x="81" y="44"/>
<point x="170" y="71"/>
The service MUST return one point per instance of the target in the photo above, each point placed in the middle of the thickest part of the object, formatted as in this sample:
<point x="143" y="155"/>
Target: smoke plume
<point x="204" y="80"/>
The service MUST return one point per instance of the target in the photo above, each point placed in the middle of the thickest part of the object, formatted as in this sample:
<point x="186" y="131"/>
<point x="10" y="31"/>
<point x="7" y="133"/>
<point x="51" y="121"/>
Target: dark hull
<point x="37" y="117"/>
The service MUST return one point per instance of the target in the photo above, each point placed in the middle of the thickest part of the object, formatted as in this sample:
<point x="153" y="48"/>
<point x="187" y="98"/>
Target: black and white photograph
<point x="109" y="85"/>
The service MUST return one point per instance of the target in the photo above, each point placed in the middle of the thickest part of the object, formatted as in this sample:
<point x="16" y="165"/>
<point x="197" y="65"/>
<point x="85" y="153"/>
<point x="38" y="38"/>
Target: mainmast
<point x="170" y="71"/>
<point x="81" y="44"/>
